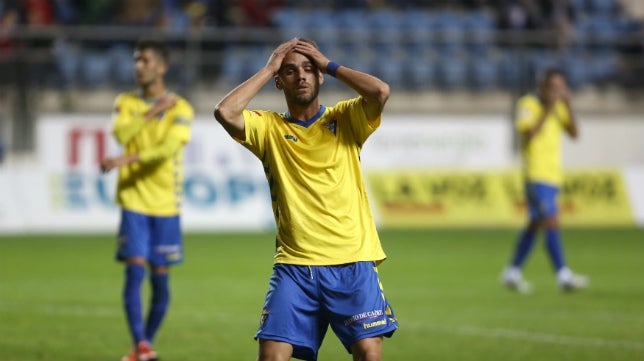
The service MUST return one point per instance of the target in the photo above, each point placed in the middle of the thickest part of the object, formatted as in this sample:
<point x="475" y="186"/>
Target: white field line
<point x="542" y="337"/>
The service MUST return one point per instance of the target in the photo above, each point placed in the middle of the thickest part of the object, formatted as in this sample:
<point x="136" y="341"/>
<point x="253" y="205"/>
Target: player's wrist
<point x="332" y="68"/>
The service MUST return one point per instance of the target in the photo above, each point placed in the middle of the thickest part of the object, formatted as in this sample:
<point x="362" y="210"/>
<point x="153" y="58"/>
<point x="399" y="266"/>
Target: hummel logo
<point x="291" y="137"/>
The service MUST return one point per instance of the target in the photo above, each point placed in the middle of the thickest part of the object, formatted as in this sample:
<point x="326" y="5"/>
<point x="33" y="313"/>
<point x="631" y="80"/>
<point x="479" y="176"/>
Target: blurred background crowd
<point x="63" y="46"/>
<point x="427" y="44"/>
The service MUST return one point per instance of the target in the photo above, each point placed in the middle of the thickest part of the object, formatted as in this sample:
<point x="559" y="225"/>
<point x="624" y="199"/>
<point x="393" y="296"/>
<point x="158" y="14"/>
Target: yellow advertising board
<point x="481" y="199"/>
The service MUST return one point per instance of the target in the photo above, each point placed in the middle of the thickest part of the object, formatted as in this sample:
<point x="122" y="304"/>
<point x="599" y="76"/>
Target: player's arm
<point x="127" y="125"/>
<point x="374" y="91"/>
<point x="161" y="151"/>
<point x="571" y="125"/>
<point x="229" y="110"/>
<point x="534" y="130"/>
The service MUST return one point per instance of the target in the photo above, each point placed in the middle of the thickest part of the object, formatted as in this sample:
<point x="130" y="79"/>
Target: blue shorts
<point x="157" y="239"/>
<point x="302" y="301"/>
<point x="542" y="200"/>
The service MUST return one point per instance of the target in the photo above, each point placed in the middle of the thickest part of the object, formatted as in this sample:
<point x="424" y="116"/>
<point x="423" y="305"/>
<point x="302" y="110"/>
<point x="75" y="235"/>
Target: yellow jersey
<point x="154" y="185"/>
<point x="318" y="193"/>
<point x="542" y="153"/>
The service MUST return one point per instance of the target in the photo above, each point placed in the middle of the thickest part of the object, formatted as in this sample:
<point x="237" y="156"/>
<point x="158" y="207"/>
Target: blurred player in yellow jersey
<point x="541" y="120"/>
<point x="327" y="247"/>
<point x="153" y="125"/>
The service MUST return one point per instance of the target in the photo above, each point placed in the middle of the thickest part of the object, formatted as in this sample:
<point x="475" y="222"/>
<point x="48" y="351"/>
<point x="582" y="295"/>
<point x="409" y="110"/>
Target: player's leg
<point x="133" y="250"/>
<point x="566" y="279"/>
<point x="358" y="309"/>
<point x="166" y="250"/>
<point x="291" y="324"/>
<point x="160" y="285"/>
<point x="368" y="349"/>
<point x="512" y="277"/>
<point x="274" y="351"/>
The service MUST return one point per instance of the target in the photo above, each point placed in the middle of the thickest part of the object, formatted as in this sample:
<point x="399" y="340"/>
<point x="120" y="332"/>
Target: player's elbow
<point x="382" y="93"/>
<point x="232" y="121"/>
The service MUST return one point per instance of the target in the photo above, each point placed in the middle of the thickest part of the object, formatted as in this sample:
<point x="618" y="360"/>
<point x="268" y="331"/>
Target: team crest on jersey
<point x="331" y="125"/>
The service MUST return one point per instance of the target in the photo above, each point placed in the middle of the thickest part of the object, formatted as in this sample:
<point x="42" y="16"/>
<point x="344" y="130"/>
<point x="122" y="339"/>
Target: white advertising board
<point x="225" y="187"/>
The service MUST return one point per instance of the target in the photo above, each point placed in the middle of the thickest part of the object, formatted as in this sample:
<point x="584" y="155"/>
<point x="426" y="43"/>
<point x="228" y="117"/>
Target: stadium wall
<point x="422" y="171"/>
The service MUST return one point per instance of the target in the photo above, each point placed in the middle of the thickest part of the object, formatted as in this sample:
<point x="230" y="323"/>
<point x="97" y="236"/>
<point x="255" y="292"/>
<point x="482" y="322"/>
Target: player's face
<point x="554" y="87"/>
<point x="148" y="67"/>
<point x="299" y="78"/>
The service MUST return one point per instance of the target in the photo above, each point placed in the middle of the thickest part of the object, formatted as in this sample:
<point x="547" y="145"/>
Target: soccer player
<point x="153" y="125"/>
<point x="327" y="247"/>
<point x="541" y="119"/>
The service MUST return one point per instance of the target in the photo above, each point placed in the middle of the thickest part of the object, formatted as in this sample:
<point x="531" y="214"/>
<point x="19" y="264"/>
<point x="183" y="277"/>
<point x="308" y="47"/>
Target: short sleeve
<point x="256" y="130"/>
<point x="526" y="114"/>
<point x="352" y="112"/>
<point x="182" y="122"/>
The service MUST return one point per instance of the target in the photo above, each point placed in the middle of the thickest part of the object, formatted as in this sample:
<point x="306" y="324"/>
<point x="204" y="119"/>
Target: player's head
<point x="551" y="82"/>
<point x="150" y="61"/>
<point x="299" y="78"/>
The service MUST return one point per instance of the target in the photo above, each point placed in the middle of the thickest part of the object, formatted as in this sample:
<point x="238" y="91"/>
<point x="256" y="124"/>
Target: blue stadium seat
<point x="353" y="26"/>
<point x="541" y="60"/>
<point x="122" y="65"/>
<point x="68" y="60"/>
<point x="514" y="71"/>
<point x="452" y="71"/>
<point x="322" y="28"/>
<point x="420" y="72"/>
<point x="580" y="6"/>
<point x="95" y="68"/>
<point x="604" y="7"/>
<point x="450" y="28"/>
<point x="386" y="30"/>
<point x="602" y="66"/>
<point x="418" y="29"/>
<point x="479" y="28"/>
<point x="290" y="22"/>
<point x="574" y="64"/>
<point x="484" y="71"/>
<point x="233" y="68"/>
<point x="390" y="69"/>
<point x="603" y="32"/>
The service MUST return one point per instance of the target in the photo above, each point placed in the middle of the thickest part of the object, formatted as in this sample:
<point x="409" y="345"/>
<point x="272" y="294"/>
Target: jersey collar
<point x="306" y="123"/>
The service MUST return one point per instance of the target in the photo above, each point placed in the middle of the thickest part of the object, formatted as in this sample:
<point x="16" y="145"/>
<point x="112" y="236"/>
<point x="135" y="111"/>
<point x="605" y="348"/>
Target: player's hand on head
<point x="313" y="53"/>
<point x="275" y="61"/>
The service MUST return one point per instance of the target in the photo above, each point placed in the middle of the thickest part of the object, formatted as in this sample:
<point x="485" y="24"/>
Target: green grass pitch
<point x="60" y="298"/>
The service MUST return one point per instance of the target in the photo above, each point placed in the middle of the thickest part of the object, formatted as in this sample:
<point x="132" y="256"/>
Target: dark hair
<point x="312" y="42"/>
<point x="157" y="47"/>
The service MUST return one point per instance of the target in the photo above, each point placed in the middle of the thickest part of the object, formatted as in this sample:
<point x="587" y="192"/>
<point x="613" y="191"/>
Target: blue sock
<point x="159" y="306"/>
<point x="523" y="247"/>
<point x="553" y="243"/>
<point x="134" y="275"/>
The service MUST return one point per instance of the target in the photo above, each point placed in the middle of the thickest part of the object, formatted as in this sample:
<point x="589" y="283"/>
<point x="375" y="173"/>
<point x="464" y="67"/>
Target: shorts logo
<point x="365" y="316"/>
<point x="374" y="324"/>
<point x="263" y="318"/>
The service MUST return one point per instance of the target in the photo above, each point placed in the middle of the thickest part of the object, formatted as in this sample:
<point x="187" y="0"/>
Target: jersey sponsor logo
<point x="363" y="316"/>
<point x="290" y="137"/>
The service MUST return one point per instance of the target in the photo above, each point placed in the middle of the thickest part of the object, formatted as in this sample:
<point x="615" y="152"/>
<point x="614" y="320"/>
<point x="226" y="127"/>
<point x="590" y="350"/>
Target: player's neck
<point x="303" y="112"/>
<point x="154" y="90"/>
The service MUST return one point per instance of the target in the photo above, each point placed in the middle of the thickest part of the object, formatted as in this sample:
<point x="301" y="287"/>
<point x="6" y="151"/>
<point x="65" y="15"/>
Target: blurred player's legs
<point x="142" y="352"/>
<point x="544" y="214"/>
